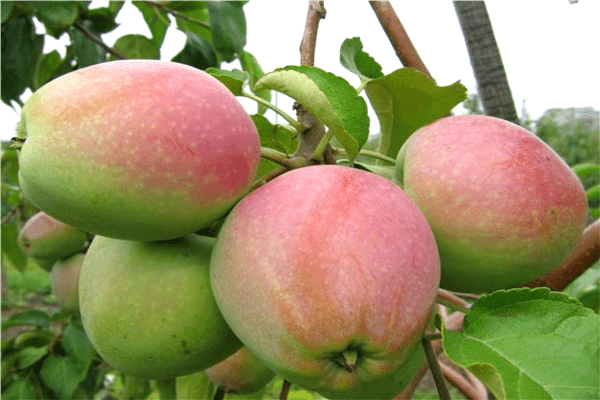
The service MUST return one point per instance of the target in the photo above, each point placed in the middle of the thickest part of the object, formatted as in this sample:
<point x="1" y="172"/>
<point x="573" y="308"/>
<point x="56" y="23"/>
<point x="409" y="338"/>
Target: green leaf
<point x="56" y="15"/>
<point x="27" y="318"/>
<point x="530" y="344"/>
<point x="590" y="298"/>
<point x="62" y="374"/>
<point x="196" y="18"/>
<point x="194" y="386"/>
<point x="252" y="67"/>
<point x="197" y="52"/>
<point x="386" y="172"/>
<point x="30" y="355"/>
<point x="234" y="79"/>
<point x="18" y="390"/>
<point x="593" y="193"/>
<point x="329" y="98"/>
<point x="137" y="46"/>
<point x="157" y="20"/>
<point x="354" y="59"/>
<point x="46" y="68"/>
<point x="6" y="8"/>
<point x="228" y="24"/>
<point x="101" y="20"/>
<point x="406" y="100"/>
<point x="278" y="137"/>
<point x="35" y="338"/>
<point x="76" y="343"/>
<point x="115" y="7"/>
<point x="584" y="170"/>
<point x="10" y="249"/>
<point x="21" y="49"/>
<point x="85" y="51"/>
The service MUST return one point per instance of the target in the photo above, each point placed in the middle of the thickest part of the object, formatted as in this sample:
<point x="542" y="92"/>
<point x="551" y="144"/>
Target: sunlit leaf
<point x="406" y="100"/>
<point x="328" y="97"/>
<point x="530" y="344"/>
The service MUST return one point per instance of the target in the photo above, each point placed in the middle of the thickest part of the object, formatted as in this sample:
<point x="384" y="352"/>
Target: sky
<point x="549" y="47"/>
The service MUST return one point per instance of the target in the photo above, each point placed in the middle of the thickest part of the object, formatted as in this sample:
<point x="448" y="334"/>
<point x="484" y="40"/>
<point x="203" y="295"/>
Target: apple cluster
<point x="326" y="275"/>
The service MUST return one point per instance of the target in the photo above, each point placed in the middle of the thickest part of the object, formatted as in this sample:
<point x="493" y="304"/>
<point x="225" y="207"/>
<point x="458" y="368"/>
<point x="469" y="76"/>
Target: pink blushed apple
<point x="328" y="275"/>
<point x="136" y="149"/>
<point x="504" y="207"/>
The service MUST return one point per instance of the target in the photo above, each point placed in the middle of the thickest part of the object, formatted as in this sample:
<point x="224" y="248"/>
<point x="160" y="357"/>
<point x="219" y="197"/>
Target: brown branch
<point x="96" y="39"/>
<point x="444" y="296"/>
<point x="453" y="323"/>
<point x="581" y="258"/>
<point x="310" y="138"/>
<point x="436" y="371"/>
<point x="316" y="12"/>
<point x="466" y="387"/>
<point x="398" y="37"/>
<point x="285" y="389"/>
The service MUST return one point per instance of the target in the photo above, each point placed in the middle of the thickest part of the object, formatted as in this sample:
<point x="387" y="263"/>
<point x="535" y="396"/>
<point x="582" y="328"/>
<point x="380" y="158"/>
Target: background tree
<point x="492" y="81"/>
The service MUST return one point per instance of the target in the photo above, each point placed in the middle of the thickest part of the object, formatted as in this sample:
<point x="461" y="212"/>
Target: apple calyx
<point x="348" y="359"/>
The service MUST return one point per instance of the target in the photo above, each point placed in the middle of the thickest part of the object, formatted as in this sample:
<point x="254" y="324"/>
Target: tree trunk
<point x="492" y="82"/>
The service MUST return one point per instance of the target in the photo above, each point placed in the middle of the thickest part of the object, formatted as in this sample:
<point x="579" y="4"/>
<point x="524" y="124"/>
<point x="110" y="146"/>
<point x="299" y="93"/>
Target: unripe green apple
<point x="504" y="207"/>
<point x="240" y="373"/>
<point x="148" y="307"/>
<point x="136" y="149"/>
<point x="328" y="275"/>
<point x="46" y="238"/>
<point x="65" y="281"/>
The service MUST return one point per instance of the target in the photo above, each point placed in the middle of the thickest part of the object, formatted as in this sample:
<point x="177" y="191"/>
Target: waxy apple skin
<point x="240" y="373"/>
<point x="504" y="207"/>
<point x="148" y="308"/>
<point x="65" y="281"/>
<point x="48" y="239"/>
<point x="325" y="267"/>
<point x="136" y="149"/>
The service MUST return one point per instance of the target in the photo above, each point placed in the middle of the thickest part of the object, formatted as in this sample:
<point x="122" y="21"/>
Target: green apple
<point x="148" y="307"/>
<point x="136" y="149"/>
<point x="504" y="207"/>
<point x="65" y="281"/>
<point x="328" y="275"/>
<point x="45" y="238"/>
<point x="240" y="373"/>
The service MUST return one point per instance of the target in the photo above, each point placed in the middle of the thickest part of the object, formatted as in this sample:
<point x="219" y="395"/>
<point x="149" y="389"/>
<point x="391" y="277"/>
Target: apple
<point x="65" y="281"/>
<point x="136" y="149"/>
<point x="503" y="206"/>
<point x="47" y="239"/>
<point x="148" y="307"/>
<point x="240" y="373"/>
<point x="328" y="275"/>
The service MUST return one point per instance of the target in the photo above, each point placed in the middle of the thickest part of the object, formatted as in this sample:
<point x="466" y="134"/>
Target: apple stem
<point x="295" y="124"/>
<point x="167" y="389"/>
<point x="282" y="159"/>
<point x="448" y="299"/>
<point x="285" y="389"/>
<point x="367" y="153"/>
<point x="219" y="394"/>
<point x="436" y="370"/>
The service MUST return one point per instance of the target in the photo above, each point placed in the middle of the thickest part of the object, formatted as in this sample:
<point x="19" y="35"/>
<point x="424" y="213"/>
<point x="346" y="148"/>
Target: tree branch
<point x="316" y="12"/>
<point x="436" y="371"/>
<point x="96" y="39"/>
<point x="581" y="258"/>
<point x="463" y="384"/>
<point x="398" y="37"/>
<point x="450" y="300"/>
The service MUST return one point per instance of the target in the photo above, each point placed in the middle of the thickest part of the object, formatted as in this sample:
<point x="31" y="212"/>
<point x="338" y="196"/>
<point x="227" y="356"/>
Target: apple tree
<point x="198" y="251"/>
